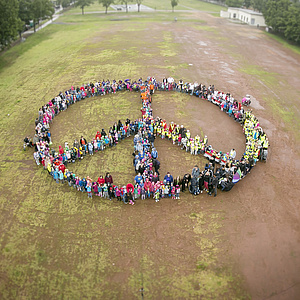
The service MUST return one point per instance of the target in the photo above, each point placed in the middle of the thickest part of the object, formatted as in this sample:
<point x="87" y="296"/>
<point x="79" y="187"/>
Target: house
<point x="248" y="16"/>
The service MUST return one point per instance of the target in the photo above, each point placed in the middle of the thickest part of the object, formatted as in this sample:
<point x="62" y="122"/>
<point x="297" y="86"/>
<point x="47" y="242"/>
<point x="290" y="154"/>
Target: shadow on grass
<point x="10" y="56"/>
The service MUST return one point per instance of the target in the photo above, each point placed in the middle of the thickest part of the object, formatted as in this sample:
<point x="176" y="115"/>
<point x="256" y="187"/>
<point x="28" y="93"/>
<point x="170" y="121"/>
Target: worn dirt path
<point x="264" y="211"/>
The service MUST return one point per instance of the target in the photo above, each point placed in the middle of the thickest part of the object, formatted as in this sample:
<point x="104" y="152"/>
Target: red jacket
<point x="62" y="168"/>
<point x="147" y="185"/>
<point x="101" y="181"/>
<point x="129" y="187"/>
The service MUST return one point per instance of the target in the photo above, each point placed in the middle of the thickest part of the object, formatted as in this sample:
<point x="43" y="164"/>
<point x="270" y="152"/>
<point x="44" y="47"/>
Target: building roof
<point x="249" y="11"/>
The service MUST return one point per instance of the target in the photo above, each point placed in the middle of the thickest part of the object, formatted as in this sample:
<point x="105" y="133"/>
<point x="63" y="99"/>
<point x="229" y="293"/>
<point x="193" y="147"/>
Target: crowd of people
<point x="222" y="171"/>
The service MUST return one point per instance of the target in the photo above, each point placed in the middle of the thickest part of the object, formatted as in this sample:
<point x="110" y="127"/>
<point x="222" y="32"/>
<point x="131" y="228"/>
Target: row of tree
<point x="106" y="3"/>
<point x="283" y="16"/>
<point x="16" y="14"/>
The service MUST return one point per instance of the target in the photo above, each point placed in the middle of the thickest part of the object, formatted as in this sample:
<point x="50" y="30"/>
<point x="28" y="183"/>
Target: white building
<point x="248" y="16"/>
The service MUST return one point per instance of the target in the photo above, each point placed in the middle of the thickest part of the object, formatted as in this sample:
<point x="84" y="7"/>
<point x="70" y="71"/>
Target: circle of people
<point x="222" y="170"/>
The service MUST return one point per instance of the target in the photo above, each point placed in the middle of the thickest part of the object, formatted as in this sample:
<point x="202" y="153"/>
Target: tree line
<point x="15" y="15"/>
<point x="106" y="3"/>
<point x="18" y="15"/>
<point x="283" y="16"/>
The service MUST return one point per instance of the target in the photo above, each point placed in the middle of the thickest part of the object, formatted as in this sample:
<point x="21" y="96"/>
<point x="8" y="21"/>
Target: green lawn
<point x="95" y="7"/>
<point x="284" y="42"/>
<point x="159" y="5"/>
<point x="55" y="243"/>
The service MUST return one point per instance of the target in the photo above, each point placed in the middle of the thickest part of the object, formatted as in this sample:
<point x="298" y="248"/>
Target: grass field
<point x="54" y="242"/>
<point x="57" y="244"/>
<point x="159" y="5"/>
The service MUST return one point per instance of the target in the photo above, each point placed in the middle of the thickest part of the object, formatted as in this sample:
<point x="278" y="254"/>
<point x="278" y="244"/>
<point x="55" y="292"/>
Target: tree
<point x="283" y="16"/>
<point x="126" y="3"/>
<point x="25" y="10"/>
<point x="9" y="22"/>
<point x="247" y="3"/>
<point x="106" y="3"/>
<point x="258" y="4"/>
<point x="139" y="2"/>
<point x="64" y="3"/>
<point x="83" y="3"/>
<point x="292" y="30"/>
<point x="25" y="14"/>
<point x="275" y="14"/>
<point x="234" y="3"/>
<point x="173" y="4"/>
<point x="41" y="9"/>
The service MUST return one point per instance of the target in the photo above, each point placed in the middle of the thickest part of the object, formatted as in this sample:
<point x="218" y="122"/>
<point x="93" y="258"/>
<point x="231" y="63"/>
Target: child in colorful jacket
<point x="156" y="195"/>
<point x="177" y="191"/>
<point x="89" y="191"/>
<point x="173" y="191"/>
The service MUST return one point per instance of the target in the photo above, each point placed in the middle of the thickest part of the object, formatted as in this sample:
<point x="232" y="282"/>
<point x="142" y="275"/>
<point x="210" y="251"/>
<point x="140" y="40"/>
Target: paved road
<point x="55" y="16"/>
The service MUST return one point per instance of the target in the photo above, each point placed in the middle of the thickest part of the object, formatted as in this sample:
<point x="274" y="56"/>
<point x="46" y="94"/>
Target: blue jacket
<point x="168" y="179"/>
<point x="55" y="174"/>
<point x="138" y="179"/>
<point x="154" y="154"/>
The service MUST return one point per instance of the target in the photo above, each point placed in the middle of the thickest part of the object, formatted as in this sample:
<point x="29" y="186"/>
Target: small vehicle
<point x="246" y="100"/>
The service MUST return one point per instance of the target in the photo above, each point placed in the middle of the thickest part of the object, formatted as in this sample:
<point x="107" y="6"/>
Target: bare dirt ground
<point x="263" y="224"/>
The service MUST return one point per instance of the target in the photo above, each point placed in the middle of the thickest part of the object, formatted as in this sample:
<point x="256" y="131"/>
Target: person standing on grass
<point x="101" y="180"/>
<point x="83" y="140"/>
<point x="108" y="179"/>
<point x="55" y="175"/>
<point x="89" y="191"/>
